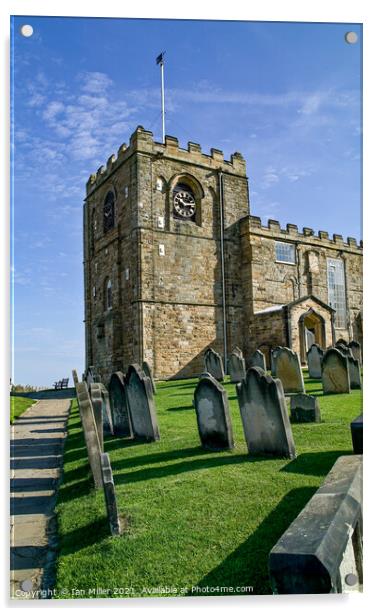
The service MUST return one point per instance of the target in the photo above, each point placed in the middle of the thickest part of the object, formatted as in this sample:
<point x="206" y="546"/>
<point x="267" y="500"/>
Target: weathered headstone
<point x="344" y="349"/>
<point x="264" y="415"/>
<point x="238" y="351"/>
<point x="288" y="370"/>
<point x="354" y="373"/>
<point x="321" y="551"/>
<point x="97" y="406"/>
<point x="110" y="495"/>
<point x="91" y="376"/>
<point x="106" y="411"/>
<point x="140" y="398"/>
<point x="356" y="428"/>
<point x="237" y="369"/>
<point x="305" y="409"/>
<point x="212" y="413"/>
<point x="90" y="432"/>
<point x="204" y="374"/>
<point x="75" y="377"/>
<point x="147" y="370"/>
<point x="120" y="413"/>
<point x="355" y="348"/>
<point x="335" y="373"/>
<point x="214" y="365"/>
<point x="314" y="358"/>
<point x="258" y="360"/>
<point x="273" y="356"/>
<point x="341" y="341"/>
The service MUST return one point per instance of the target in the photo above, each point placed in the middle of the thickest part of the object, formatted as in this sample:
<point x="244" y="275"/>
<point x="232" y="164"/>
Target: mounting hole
<point x="26" y="585"/>
<point x="26" y="30"/>
<point x="351" y="37"/>
<point x="351" y="579"/>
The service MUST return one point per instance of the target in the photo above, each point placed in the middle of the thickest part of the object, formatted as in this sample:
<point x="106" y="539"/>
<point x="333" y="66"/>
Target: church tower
<point x="162" y="257"/>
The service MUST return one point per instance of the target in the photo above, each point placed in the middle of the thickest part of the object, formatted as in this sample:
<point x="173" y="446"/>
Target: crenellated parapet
<point x="273" y="229"/>
<point x="143" y="141"/>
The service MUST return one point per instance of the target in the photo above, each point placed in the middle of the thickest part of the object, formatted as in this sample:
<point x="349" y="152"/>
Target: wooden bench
<point x="61" y="384"/>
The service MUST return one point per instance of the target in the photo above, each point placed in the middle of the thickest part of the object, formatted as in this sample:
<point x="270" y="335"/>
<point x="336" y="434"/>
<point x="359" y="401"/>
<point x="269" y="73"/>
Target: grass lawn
<point x="19" y="405"/>
<point x="195" y="518"/>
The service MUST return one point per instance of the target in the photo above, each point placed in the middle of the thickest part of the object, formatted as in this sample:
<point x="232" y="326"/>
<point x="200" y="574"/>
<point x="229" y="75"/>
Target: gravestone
<point x="258" y="360"/>
<point x="264" y="415"/>
<point x="214" y="365"/>
<point x="110" y="495"/>
<point x="335" y="373"/>
<point x="140" y="398"/>
<point x="314" y="358"/>
<point x="355" y="348"/>
<point x="90" y="432"/>
<point x="204" y="374"/>
<point x="97" y="406"/>
<point x="341" y="341"/>
<point x="356" y="428"/>
<point x="237" y="369"/>
<point x="305" y="409"/>
<point x="238" y="351"/>
<point x="321" y="551"/>
<point x="91" y="376"/>
<point x="273" y="356"/>
<point x="106" y="410"/>
<point x="119" y="408"/>
<point x="147" y="370"/>
<point x="288" y="370"/>
<point x="75" y="377"/>
<point x="344" y="349"/>
<point x="354" y="373"/>
<point x="212" y="414"/>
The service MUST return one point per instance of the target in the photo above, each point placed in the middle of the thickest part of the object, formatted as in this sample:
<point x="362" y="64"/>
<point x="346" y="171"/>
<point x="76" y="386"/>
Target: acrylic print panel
<point x="201" y="194"/>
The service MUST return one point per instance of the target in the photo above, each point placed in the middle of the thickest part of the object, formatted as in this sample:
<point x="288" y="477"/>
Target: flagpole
<point x="162" y="98"/>
<point x="160" y="61"/>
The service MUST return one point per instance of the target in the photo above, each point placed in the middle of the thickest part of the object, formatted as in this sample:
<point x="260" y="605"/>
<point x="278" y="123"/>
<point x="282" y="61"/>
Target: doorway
<point x="312" y="331"/>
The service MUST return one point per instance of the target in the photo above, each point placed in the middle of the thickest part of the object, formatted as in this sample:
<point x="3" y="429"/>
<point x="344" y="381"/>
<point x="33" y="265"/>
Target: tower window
<point x="285" y="253"/>
<point x="108" y="294"/>
<point x="108" y="211"/>
<point x="336" y="290"/>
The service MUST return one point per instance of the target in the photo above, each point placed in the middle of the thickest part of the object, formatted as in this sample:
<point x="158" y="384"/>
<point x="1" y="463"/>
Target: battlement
<point x="142" y="141"/>
<point x="307" y="235"/>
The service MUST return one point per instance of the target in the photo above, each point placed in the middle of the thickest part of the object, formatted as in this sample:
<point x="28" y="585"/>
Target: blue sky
<point x="286" y="95"/>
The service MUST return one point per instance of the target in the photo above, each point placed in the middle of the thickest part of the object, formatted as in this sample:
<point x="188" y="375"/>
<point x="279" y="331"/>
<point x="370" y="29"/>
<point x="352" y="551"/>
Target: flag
<point x="159" y="59"/>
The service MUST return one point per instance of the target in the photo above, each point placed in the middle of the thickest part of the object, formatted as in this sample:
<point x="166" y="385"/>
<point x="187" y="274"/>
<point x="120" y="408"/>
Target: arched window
<point x="108" y="297"/>
<point x="108" y="211"/>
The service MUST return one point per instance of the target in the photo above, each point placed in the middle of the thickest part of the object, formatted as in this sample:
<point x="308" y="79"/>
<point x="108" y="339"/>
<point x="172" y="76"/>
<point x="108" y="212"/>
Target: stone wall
<point x="166" y="273"/>
<point x="268" y="282"/>
<point x="169" y="309"/>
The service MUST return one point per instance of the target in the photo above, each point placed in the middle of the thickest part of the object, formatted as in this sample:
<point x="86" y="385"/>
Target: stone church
<point x="174" y="264"/>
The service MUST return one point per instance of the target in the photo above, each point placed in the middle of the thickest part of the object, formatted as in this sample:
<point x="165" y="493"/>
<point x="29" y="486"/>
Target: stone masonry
<point x="153" y="285"/>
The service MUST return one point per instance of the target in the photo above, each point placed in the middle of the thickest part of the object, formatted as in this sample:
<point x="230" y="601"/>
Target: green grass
<point x="194" y="517"/>
<point x="18" y="406"/>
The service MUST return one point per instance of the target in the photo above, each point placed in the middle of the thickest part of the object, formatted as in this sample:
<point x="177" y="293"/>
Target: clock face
<point x="184" y="203"/>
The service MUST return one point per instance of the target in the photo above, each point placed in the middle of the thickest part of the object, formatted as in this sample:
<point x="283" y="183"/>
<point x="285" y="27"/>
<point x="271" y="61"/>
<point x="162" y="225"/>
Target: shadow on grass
<point x="70" y="491"/>
<point x="180" y="408"/>
<point x="145" y="474"/>
<point x="315" y="463"/>
<point x="248" y="564"/>
<point x="172" y="384"/>
<point x="84" y="537"/>
<point x="157" y="458"/>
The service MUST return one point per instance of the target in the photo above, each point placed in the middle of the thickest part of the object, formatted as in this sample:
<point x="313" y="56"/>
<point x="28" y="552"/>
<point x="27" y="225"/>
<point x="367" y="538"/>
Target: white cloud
<point x="95" y="82"/>
<point x="52" y="110"/>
